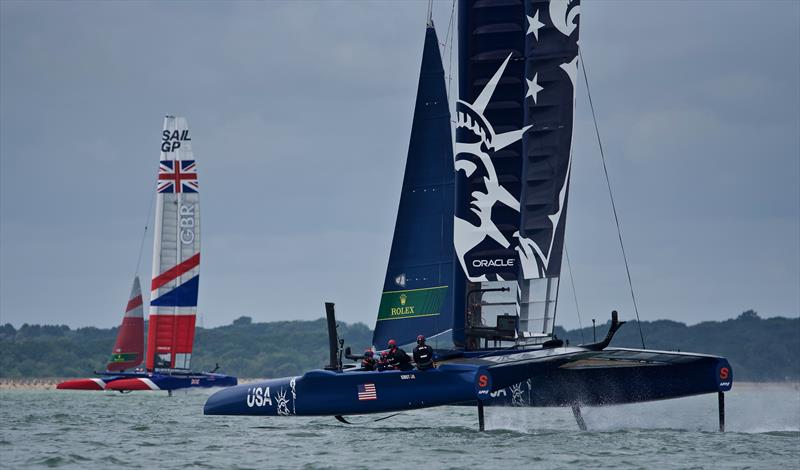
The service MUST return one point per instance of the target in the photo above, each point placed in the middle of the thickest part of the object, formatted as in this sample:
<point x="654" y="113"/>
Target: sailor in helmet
<point x="368" y="361"/>
<point x="398" y="359"/>
<point x="423" y="354"/>
<point x="383" y="362"/>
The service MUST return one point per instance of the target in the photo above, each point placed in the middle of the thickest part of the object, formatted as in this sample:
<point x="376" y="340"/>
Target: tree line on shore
<point x="759" y="349"/>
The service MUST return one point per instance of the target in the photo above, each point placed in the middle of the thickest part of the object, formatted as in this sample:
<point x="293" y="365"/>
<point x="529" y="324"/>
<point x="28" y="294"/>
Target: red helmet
<point x="385" y="354"/>
<point x="392" y="343"/>
<point x="421" y="339"/>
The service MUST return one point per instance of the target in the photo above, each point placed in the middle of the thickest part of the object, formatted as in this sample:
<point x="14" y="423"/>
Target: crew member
<point x="368" y="362"/>
<point x="383" y="362"/>
<point x="398" y="358"/>
<point x="423" y="354"/>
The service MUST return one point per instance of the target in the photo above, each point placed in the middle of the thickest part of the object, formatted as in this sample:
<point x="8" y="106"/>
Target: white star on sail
<point x="534" y="25"/>
<point x="533" y="87"/>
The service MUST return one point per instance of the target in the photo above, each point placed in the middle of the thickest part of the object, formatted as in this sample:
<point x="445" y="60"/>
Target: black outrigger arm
<point x="348" y="354"/>
<point x="615" y="325"/>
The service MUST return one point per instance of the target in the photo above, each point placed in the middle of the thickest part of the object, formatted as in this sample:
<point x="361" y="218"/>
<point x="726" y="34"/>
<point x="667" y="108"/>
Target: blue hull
<point x="325" y="393"/>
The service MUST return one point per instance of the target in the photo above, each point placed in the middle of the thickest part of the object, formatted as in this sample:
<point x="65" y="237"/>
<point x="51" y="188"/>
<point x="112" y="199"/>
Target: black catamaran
<point x="476" y="257"/>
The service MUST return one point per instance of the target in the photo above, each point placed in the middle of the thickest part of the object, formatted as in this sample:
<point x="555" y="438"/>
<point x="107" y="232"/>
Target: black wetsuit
<point x="368" y="363"/>
<point x="398" y="359"/>
<point x="423" y="357"/>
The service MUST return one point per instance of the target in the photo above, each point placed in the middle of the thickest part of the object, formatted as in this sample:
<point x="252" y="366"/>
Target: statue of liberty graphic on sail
<point x="492" y="204"/>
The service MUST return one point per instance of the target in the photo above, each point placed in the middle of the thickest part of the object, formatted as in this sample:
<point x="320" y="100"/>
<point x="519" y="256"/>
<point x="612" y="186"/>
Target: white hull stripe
<point x="100" y="383"/>
<point x="150" y="384"/>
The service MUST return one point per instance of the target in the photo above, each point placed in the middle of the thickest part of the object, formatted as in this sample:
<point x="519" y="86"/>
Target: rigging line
<point x="611" y="195"/>
<point x="144" y="234"/>
<point x="449" y="39"/>
<point x="574" y="293"/>
<point x="429" y="19"/>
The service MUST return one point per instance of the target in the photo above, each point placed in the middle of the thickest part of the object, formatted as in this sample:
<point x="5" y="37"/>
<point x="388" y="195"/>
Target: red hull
<point x="132" y="384"/>
<point x="82" y="384"/>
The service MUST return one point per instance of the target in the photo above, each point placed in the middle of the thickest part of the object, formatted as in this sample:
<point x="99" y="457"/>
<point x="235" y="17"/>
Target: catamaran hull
<point x="85" y="384"/>
<point x="149" y="381"/>
<point x="634" y="377"/>
<point x="171" y="382"/>
<point x="326" y="393"/>
<point x="542" y="378"/>
<point x="98" y="383"/>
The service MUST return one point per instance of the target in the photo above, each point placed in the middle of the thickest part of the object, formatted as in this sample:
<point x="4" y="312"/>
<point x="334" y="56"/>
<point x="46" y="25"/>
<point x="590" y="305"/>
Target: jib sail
<point x="128" y="351"/>
<point x="417" y="294"/>
<point x="517" y="69"/>
<point x="176" y="251"/>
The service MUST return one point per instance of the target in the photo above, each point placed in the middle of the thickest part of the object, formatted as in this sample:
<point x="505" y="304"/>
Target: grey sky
<point x="301" y="114"/>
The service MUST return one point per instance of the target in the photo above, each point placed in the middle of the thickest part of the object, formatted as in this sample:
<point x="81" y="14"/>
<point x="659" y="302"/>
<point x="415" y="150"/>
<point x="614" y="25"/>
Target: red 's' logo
<point x="724" y="373"/>
<point x="483" y="381"/>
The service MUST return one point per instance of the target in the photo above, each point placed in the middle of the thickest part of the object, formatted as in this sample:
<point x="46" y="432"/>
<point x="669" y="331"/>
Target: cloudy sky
<point x="301" y="113"/>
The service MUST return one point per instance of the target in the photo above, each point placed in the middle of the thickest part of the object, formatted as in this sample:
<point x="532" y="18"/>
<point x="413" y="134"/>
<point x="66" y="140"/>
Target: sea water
<point x="73" y="429"/>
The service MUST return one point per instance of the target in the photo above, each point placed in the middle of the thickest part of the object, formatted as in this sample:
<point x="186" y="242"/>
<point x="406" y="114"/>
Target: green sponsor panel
<point x="123" y="357"/>
<point x="399" y="304"/>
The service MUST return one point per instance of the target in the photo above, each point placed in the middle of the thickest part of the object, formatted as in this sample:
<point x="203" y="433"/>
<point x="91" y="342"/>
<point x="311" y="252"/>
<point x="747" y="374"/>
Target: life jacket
<point x="423" y="357"/>
<point x="383" y="362"/>
<point x="368" y="363"/>
<point x="398" y="359"/>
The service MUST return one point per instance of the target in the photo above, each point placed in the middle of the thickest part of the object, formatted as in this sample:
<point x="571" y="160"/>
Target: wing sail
<point x="517" y="69"/>
<point x="176" y="252"/>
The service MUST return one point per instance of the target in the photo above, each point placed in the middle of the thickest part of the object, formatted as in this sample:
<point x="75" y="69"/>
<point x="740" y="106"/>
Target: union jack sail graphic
<point x="177" y="176"/>
<point x="176" y="252"/>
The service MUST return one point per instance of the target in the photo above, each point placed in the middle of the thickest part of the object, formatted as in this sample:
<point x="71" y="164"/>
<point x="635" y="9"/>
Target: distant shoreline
<point x="49" y="383"/>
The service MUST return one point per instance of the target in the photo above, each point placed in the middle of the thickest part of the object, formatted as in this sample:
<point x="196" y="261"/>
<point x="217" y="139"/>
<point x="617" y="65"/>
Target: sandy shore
<point x="41" y="383"/>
